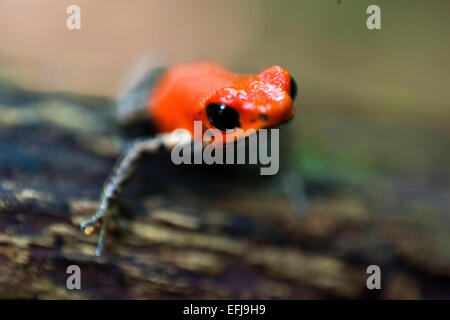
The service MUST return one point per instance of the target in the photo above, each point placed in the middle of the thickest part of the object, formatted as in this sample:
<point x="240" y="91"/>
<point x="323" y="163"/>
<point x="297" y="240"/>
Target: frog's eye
<point x="293" y="92"/>
<point x="222" y="116"/>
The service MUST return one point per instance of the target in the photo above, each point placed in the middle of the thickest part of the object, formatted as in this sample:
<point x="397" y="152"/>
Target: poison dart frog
<point x="174" y="98"/>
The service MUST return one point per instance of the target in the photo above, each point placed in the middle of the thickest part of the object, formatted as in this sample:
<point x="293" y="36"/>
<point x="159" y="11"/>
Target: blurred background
<point x="371" y="140"/>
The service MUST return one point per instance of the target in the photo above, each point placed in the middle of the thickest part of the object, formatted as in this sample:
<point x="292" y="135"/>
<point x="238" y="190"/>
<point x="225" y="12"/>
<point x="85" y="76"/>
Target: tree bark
<point x="182" y="232"/>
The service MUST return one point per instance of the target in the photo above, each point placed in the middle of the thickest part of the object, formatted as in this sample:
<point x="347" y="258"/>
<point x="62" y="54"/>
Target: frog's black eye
<point x="222" y="116"/>
<point x="293" y="92"/>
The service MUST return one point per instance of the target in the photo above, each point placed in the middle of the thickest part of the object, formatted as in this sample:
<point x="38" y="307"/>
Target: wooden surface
<point x="197" y="233"/>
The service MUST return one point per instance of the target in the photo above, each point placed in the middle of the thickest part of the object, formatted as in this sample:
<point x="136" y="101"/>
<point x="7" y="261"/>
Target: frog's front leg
<point x="121" y="174"/>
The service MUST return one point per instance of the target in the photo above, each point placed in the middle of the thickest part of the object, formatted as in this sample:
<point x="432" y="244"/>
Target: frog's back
<point x="182" y="92"/>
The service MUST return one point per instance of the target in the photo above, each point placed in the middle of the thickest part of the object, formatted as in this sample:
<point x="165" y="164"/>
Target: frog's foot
<point x="89" y="226"/>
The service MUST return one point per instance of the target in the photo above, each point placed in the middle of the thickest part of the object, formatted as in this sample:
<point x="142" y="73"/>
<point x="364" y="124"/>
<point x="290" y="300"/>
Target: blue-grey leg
<point x="120" y="175"/>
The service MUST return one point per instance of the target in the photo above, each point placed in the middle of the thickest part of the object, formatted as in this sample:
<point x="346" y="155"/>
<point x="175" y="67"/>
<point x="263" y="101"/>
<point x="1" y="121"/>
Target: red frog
<point x="202" y="91"/>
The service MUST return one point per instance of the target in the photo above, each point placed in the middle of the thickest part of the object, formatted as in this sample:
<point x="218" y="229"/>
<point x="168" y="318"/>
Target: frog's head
<point x="253" y="102"/>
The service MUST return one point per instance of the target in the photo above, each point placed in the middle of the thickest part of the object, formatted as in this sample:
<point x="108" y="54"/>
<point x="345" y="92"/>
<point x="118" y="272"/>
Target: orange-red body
<point x="183" y="92"/>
